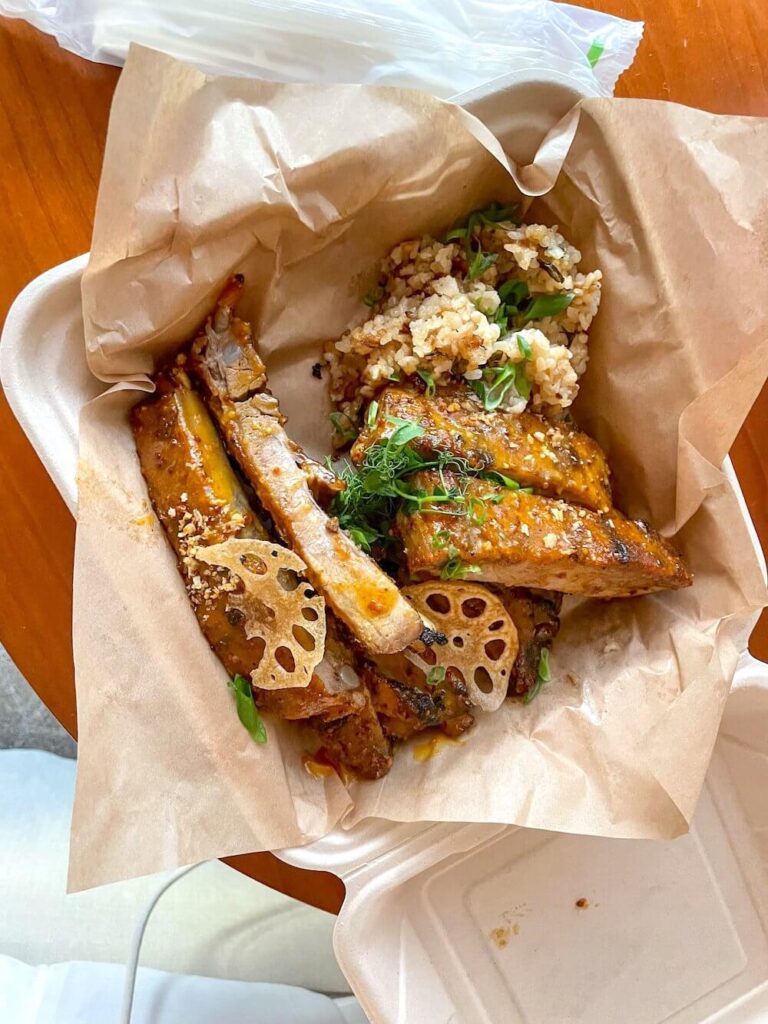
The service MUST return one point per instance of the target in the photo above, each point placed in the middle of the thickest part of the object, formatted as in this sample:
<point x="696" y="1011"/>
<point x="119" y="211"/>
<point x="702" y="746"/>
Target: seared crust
<point x="357" y="743"/>
<point x="553" y="458"/>
<point x="529" y="541"/>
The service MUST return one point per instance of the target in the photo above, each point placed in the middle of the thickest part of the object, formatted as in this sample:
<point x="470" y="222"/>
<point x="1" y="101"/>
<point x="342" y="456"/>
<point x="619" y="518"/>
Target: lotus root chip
<point x="481" y="637"/>
<point x="278" y="605"/>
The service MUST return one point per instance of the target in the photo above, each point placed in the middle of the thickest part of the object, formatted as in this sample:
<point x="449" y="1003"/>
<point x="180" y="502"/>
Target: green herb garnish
<point x="370" y="416"/>
<point x="513" y="293"/>
<point x="499" y="478"/>
<point x="480" y="263"/>
<point x="520" y="307"/>
<point x="544" y="672"/>
<point x="524" y="346"/>
<point x="441" y="539"/>
<point x="496" y="383"/>
<point x="522" y="384"/>
<point x="543" y="675"/>
<point x="406" y="432"/>
<point x="496" y="213"/>
<point x="436" y="675"/>
<point x="344" y="426"/>
<point x="379" y="486"/>
<point x="477" y="511"/>
<point x="455" y="569"/>
<point x="542" y="306"/>
<point x="490" y="216"/>
<point x="374" y="296"/>
<point x="501" y="317"/>
<point x="595" y="52"/>
<point x="429" y="380"/>
<point x="247" y="711"/>
<point x="469" y="230"/>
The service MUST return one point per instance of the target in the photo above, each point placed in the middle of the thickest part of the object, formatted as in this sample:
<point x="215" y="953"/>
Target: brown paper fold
<point x="304" y="189"/>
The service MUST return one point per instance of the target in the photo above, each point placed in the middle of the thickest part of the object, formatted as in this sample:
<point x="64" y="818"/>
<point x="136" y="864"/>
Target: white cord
<point x="138" y="935"/>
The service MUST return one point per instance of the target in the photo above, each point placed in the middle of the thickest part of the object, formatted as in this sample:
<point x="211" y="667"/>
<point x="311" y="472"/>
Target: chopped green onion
<point x="501" y="317"/>
<point x="436" y="675"/>
<point x="495" y="385"/>
<point x="429" y="380"/>
<point x="247" y="711"/>
<point x="525" y="346"/>
<point x="595" y="52"/>
<point x="513" y="292"/>
<point x="495" y="214"/>
<point x="455" y="569"/>
<point x="495" y="499"/>
<point x="481" y="261"/>
<point x="344" y="426"/>
<point x="526" y="490"/>
<point x="374" y="295"/>
<point x="477" y="511"/>
<point x="522" y="384"/>
<point x="370" y="417"/>
<point x="542" y="306"/>
<point x="544" y="672"/>
<point x="543" y="675"/>
<point x="455" y="233"/>
<point x="440" y="539"/>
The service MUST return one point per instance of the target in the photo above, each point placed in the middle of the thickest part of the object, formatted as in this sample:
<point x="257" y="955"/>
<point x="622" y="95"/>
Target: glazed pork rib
<point x="536" y="615"/>
<point x="358" y="591"/>
<point x="553" y="458"/>
<point x="356" y="742"/>
<point x="530" y="541"/>
<point x="198" y="499"/>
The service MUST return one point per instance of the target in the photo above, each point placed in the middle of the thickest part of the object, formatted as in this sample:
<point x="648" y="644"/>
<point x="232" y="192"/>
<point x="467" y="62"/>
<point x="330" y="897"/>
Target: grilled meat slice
<point x="359" y="592"/>
<point x="406" y="710"/>
<point x="199" y="500"/>
<point x="530" y="541"/>
<point x="406" y="704"/>
<point x="554" y="459"/>
<point x="356" y="742"/>
<point x="536" y="614"/>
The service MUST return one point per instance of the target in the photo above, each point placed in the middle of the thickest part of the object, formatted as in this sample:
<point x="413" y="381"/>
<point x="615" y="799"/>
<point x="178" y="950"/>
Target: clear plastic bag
<point x="445" y="47"/>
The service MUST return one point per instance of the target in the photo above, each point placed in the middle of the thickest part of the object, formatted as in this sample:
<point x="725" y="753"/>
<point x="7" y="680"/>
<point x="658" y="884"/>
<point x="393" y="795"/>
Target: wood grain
<point x="54" y="109"/>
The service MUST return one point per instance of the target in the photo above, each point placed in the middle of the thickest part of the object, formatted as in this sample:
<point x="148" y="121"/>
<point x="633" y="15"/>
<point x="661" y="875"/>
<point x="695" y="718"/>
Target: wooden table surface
<point x="53" y="120"/>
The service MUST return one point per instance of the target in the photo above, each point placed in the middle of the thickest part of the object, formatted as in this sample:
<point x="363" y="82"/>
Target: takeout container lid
<point x="483" y="924"/>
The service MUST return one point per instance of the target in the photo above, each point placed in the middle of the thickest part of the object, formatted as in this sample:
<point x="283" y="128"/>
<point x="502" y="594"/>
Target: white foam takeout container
<point x="478" y="924"/>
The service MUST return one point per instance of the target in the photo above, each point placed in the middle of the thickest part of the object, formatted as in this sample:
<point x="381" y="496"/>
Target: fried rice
<point x="433" y="314"/>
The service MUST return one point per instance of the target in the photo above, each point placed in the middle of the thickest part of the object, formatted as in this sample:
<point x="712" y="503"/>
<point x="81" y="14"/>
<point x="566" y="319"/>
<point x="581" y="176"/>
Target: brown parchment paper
<point x="304" y="189"/>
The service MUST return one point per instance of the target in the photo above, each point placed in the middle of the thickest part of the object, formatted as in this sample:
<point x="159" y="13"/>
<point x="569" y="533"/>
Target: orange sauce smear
<point x="426" y="749"/>
<point x="320" y="766"/>
<point x="316" y="769"/>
